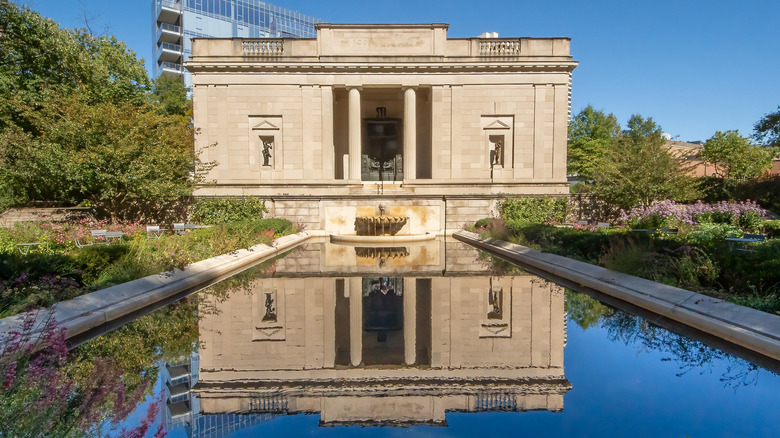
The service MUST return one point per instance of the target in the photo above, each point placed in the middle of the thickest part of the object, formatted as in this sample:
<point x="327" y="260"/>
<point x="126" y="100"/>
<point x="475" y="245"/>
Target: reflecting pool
<point x="431" y="339"/>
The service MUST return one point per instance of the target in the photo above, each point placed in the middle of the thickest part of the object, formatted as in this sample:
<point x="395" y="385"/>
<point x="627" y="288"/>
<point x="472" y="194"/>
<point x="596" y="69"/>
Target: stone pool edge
<point x="753" y="329"/>
<point x="100" y="307"/>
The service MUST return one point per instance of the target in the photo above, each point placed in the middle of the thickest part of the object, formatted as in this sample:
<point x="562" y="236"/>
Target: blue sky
<point x="694" y="66"/>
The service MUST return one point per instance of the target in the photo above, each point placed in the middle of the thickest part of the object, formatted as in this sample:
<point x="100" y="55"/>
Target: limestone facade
<point x="382" y="114"/>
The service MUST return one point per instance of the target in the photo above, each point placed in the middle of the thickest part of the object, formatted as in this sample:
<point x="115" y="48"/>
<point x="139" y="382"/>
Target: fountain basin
<point x="386" y="240"/>
<point x="379" y="225"/>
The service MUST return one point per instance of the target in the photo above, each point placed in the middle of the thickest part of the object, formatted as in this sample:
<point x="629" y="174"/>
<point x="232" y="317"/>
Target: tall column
<point x="354" y="135"/>
<point x="328" y="153"/>
<point x="329" y="324"/>
<point x="410" y="134"/>
<point x="410" y="320"/>
<point x="354" y="286"/>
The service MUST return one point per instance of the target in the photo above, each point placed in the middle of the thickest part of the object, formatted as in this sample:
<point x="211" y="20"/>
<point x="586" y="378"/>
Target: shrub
<point x="766" y="191"/>
<point x="483" y="223"/>
<point x="772" y="228"/>
<point x="493" y="228"/>
<point x="93" y="260"/>
<point x="569" y="242"/>
<point x="747" y="215"/>
<point x="220" y="211"/>
<point x="279" y="226"/>
<point x="40" y="396"/>
<point x="709" y="234"/>
<point x="535" y="210"/>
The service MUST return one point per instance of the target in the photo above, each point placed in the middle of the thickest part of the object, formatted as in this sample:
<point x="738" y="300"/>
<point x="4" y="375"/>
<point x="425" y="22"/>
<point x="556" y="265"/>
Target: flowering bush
<point x="746" y="215"/>
<point x="26" y="293"/>
<point x="60" y="271"/>
<point x="60" y="235"/>
<point x="493" y="228"/>
<point x="39" y="397"/>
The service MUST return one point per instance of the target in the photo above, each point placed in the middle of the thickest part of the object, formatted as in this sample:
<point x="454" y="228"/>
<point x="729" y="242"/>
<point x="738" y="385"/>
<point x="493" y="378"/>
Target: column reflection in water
<point x="382" y="348"/>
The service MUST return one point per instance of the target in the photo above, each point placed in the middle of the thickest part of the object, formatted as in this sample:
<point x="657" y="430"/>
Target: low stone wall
<point x="464" y="211"/>
<point x="55" y="214"/>
<point x="427" y="214"/>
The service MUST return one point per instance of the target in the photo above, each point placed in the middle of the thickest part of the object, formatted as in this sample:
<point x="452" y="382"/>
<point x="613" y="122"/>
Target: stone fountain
<point x="379" y="225"/>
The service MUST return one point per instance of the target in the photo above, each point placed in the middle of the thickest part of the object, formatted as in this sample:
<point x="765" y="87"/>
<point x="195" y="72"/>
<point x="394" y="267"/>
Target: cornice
<point x="364" y="68"/>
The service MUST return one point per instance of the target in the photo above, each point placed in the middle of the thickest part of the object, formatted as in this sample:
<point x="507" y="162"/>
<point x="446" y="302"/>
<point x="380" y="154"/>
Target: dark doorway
<point x="382" y="154"/>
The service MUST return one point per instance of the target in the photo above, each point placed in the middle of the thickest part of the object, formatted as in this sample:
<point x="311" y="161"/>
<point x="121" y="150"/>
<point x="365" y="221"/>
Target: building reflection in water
<point x="339" y="332"/>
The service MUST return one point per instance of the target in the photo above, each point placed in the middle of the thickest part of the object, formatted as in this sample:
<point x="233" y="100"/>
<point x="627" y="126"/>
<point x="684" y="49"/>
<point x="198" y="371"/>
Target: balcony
<point x="168" y="33"/>
<point x="169" y="52"/>
<point x="168" y="11"/>
<point x="170" y="69"/>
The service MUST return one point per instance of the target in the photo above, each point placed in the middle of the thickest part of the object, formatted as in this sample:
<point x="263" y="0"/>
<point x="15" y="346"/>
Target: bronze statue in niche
<point x="495" y="304"/>
<point x="267" y="146"/>
<point x="496" y="158"/>
<point x="270" y="307"/>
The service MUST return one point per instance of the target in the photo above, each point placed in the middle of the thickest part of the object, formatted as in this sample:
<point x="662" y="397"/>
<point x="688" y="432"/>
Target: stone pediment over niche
<point x="495" y="123"/>
<point x="265" y="123"/>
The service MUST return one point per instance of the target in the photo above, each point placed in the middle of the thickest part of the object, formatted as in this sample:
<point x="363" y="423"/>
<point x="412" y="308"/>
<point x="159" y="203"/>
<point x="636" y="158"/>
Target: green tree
<point x="112" y="155"/>
<point x="767" y="130"/>
<point x="78" y="120"/>
<point x="639" y="170"/>
<point x="40" y="63"/>
<point x="736" y="157"/>
<point x="591" y="134"/>
<point x="587" y="312"/>
<point x="170" y="96"/>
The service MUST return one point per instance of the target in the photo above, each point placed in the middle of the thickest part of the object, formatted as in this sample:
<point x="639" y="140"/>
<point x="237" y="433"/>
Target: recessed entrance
<point x="382" y="152"/>
<point x="382" y="130"/>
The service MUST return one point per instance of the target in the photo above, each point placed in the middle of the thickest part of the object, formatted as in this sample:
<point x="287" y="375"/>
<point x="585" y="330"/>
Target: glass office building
<point x="176" y="22"/>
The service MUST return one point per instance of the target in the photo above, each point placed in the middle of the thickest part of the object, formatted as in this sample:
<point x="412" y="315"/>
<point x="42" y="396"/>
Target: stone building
<point x="435" y="129"/>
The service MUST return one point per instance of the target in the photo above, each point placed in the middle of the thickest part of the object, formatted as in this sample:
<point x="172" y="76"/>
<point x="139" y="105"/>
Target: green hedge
<point x="535" y="210"/>
<point x="700" y="260"/>
<point x="224" y="210"/>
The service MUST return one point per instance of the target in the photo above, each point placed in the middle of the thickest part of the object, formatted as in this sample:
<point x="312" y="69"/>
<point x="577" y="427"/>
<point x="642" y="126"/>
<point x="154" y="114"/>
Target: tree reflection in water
<point x="635" y="331"/>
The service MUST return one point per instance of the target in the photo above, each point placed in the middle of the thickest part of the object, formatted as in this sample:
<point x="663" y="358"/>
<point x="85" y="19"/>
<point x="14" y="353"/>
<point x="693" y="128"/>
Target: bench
<point x="746" y="240"/>
<point x="155" y="230"/>
<point x="114" y="235"/>
<point x="181" y="228"/>
<point x="24" y="248"/>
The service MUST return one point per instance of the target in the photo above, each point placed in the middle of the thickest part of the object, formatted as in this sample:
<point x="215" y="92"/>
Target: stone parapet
<point x="337" y="42"/>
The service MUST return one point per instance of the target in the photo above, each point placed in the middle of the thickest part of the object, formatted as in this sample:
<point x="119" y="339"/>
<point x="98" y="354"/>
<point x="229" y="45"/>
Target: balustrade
<point x="263" y="47"/>
<point x="498" y="47"/>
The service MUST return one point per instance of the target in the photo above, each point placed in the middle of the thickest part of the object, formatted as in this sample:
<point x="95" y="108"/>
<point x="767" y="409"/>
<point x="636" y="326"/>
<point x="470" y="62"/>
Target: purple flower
<point x="10" y="375"/>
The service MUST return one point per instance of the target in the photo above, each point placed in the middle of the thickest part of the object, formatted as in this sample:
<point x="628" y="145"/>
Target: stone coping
<point x="367" y="240"/>
<point x="97" y="308"/>
<point x="753" y="329"/>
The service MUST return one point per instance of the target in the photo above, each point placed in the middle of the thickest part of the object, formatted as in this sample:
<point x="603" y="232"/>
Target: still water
<point x="434" y="340"/>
